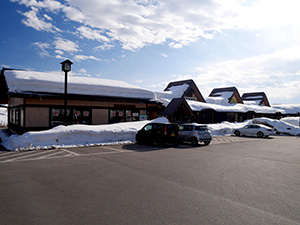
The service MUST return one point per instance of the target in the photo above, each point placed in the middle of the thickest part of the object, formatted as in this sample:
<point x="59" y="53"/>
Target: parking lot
<point x="16" y="156"/>
<point x="234" y="180"/>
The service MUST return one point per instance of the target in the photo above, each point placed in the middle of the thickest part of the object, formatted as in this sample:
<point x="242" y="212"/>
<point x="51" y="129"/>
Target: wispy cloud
<point x="33" y="20"/>
<point x="65" y="45"/>
<point x="84" y="57"/>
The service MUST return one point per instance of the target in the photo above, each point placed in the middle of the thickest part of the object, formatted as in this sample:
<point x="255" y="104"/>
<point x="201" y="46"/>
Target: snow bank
<point x="291" y="120"/>
<point x="120" y="133"/>
<point x="75" y="135"/>
<point x="3" y="116"/>
<point x="226" y="128"/>
<point x="280" y="126"/>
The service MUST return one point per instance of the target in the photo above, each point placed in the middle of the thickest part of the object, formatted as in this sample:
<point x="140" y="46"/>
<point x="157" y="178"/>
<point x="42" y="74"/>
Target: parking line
<point x="50" y="155"/>
<point x="70" y="152"/>
<point x="23" y="157"/>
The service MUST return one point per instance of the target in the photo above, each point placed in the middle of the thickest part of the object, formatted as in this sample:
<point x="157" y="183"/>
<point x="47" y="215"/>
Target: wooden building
<point x="36" y="100"/>
<point x="256" y="98"/>
<point x="228" y="95"/>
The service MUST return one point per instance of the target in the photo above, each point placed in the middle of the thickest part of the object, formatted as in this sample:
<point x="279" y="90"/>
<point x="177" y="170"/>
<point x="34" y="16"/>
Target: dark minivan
<point x="159" y="133"/>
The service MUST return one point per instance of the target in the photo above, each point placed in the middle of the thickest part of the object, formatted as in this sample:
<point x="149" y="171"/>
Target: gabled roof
<point x="228" y="94"/>
<point x="256" y="98"/>
<point x="191" y="87"/>
<point x="30" y="82"/>
<point x="174" y="105"/>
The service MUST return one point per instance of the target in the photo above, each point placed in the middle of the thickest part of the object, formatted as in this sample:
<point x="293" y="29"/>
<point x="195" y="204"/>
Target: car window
<point x="187" y="128"/>
<point x="181" y="127"/>
<point x="201" y="128"/>
<point x="148" y="127"/>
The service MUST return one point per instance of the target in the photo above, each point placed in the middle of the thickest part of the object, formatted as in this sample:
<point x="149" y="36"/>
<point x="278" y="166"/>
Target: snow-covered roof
<point x="288" y="108"/>
<point x="166" y="96"/>
<point x="29" y="81"/>
<point x="237" y="108"/>
<point x="222" y="98"/>
<point x="251" y="102"/>
<point x="173" y="92"/>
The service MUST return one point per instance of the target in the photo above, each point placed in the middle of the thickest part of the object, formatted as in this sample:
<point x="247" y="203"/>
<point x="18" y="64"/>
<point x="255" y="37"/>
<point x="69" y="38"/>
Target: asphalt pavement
<point x="234" y="180"/>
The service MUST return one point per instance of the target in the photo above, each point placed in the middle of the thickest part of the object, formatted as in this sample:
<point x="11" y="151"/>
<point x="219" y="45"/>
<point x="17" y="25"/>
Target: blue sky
<point x="252" y="45"/>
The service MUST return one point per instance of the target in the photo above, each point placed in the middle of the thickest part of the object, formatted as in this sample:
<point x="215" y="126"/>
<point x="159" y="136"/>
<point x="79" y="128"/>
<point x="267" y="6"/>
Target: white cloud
<point x="43" y="47"/>
<point x="175" y="45"/>
<point x="84" y="57"/>
<point x="32" y="20"/>
<point x="277" y="74"/>
<point x="139" y="23"/>
<point x="164" y="55"/>
<point x="92" y="34"/>
<point x="104" y="47"/>
<point x="50" y="5"/>
<point x="65" y="45"/>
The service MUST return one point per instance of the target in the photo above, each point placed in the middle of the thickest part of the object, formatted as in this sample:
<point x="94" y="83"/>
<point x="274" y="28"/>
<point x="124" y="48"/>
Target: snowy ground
<point x="3" y="116"/>
<point x="120" y="133"/>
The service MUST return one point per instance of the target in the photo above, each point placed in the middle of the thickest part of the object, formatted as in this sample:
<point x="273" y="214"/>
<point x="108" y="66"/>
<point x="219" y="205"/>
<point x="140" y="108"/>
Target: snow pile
<point x="280" y="126"/>
<point x="291" y="120"/>
<point x="29" y="81"/>
<point x="120" y="133"/>
<point x="226" y="128"/>
<point x="77" y="135"/>
<point x="3" y="116"/>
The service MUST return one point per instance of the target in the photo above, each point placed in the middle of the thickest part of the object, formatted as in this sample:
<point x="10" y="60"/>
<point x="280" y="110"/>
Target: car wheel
<point x="206" y="142"/>
<point x="237" y="133"/>
<point x="194" y="141"/>
<point x="260" y="134"/>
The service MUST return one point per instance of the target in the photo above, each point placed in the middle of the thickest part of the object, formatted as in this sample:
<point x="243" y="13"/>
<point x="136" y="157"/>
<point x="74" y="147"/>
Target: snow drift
<point x="120" y="133"/>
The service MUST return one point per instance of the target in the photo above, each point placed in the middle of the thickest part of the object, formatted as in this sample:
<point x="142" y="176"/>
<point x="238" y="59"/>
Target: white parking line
<point x="70" y="152"/>
<point x="23" y="157"/>
<point x="50" y="155"/>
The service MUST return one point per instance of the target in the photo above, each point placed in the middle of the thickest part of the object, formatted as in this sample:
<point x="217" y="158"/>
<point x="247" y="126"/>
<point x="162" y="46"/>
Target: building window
<point x="74" y="116"/>
<point x="117" y="116"/>
<point x="15" y="115"/>
<point x="81" y="116"/>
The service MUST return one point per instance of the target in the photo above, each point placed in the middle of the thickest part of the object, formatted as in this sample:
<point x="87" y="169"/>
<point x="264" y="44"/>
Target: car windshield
<point x="201" y="128"/>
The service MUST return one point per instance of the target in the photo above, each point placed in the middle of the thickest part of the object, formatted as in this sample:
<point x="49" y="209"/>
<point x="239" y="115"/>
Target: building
<point x="256" y="98"/>
<point x="36" y="100"/>
<point x="224" y="96"/>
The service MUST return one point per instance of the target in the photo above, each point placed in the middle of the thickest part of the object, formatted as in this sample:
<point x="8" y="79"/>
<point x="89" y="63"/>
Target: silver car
<point x="254" y="130"/>
<point x="195" y="133"/>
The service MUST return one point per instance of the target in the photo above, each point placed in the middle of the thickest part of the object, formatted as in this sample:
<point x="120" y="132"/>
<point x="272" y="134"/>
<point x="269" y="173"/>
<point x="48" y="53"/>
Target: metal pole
<point x="65" y="98"/>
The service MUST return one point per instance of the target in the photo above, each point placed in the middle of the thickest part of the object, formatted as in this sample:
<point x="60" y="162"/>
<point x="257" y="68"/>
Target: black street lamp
<point x="66" y="67"/>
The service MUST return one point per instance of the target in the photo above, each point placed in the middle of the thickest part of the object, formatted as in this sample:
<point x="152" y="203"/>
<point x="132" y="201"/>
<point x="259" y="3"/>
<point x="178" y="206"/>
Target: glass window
<point x="148" y="127"/>
<point x="81" y="116"/>
<point x="128" y="115"/>
<point x="117" y="116"/>
<point x="135" y="116"/>
<point x="201" y="128"/>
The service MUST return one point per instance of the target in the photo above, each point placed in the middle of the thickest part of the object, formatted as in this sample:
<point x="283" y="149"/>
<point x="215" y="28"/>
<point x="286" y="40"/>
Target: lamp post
<point x="66" y="67"/>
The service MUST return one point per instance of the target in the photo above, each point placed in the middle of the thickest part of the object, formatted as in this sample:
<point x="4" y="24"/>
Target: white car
<point x="254" y="130"/>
